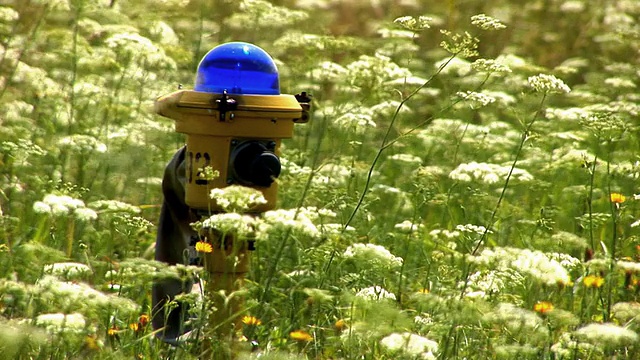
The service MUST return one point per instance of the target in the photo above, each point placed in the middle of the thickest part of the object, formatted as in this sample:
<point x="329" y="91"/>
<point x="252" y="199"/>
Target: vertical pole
<point x="227" y="267"/>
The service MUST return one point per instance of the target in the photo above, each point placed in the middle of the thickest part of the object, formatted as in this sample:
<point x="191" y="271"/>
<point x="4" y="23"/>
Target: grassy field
<point x="468" y="185"/>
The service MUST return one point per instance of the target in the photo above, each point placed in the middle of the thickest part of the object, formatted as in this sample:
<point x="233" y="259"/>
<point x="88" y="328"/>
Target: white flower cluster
<point x="328" y="71"/>
<point x="486" y="283"/>
<point x="568" y="114"/>
<point x="568" y="347"/>
<point x="444" y="234"/>
<point x="57" y="323"/>
<point x="408" y="227"/>
<point x="477" y="99"/>
<point x="413" y="23"/>
<point x="358" y="121"/>
<point x="485" y="22"/>
<point x="141" y="49"/>
<point x="455" y="66"/>
<point x="406" y="158"/>
<point x="80" y="297"/>
<point x="237" y="198"/>
<point x="488" y="173"/>
<point x="626" y="312"/>
<point x="533" y="263"/>
<point x="607" y="335"/>
<point x="230" y="223"/>
<point x="375" y="293"/>
<point x="410" y="344"/>
<point x="83" y="143"/>
<point x="8" y="15"/>
<point x="490" y="65"/>
<point x="114" y="206"/>
<point x="59" y="205"/>
<point x="299" y="220"/>
<point x="372" y="255"/>
<point x="261" y="13"/>
<point x="517" y="320"/>
<point x="67" y="270"/>
<point x="374" y="71"/>
<point x="547" y="84"/>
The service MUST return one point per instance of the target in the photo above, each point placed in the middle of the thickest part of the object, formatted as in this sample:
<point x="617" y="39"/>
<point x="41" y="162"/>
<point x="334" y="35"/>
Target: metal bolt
<point x="271" y="145"/>
<point x="234" y="142"/>
<point x="229" y="180"/>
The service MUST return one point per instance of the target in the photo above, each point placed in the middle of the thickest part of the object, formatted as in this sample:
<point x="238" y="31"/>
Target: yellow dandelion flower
<point x="204" y="247"/>
<point x="134" y="326"/>
<point x="542" y="307"/>
<point x="340" y="325"/>
<point x="423" y="291"/>
<point x="113" y="331"/>
<point x="593" y="281"/>
<point x="617" y="198"/>
<point x="251" y="320"/>
<point x="300" y="335"/>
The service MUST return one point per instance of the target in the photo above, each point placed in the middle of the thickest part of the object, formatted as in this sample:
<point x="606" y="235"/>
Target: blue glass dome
<point x="239" y="68"/>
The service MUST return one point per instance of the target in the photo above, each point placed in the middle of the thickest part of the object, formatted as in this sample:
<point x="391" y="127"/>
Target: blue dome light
<point x="239" y="68"/>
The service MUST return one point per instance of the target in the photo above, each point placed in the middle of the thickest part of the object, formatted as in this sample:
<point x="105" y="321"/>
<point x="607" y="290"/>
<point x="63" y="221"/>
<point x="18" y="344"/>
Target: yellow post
<point x="227" y="267"/>
<point x="234" y="122"/>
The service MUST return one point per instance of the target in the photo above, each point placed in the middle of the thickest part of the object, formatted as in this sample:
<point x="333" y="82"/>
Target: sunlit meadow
<point x="468" y="186"/>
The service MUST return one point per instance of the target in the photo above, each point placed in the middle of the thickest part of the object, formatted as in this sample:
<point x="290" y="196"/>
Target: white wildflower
<point x="164" y="33"/>
<point x="386" y="189"/>
<point x="58" y="205"/>
<point x="607" y="335"/>
<point x="135" y="47"/>
<point x="474" y="229"/>
<point x="358" y="121"/>
<point x="375" y="293"/>
<point x="62" y="323"/>
<point x="533" y="263"/>
<point x="572" y="6"/>
<point x="626" y="312"/>
<point x="372" y="255"/>
<point x="328" y="71"/>
<point x="8" y="15"/>
<point x="80" y="296"/>
<point x="114" y="206"/>
<point x="83" y="143"/>
<point x="488" y="173"/>
<point x="413" y="23"/>
<point x="620" y="82"/>
<point x="407" y="227"/>
<point x="410" y="344"/>
<point x="485" y="22"/>
<point x="444" y="234"/>
<point x="67" y="270"/>
<point x="568" y="347"/>
<point x="275" y="221"/>
<point x="230" y="223"/>
<point x="237" y="198"/>
<point x="406" y="158"/>
<point x="630" y="266"/>
<point x="518" y="320"/>
<point x="490" y="65"/>
<point x="455" y="66"/>
<point x="476" y="99"/>
<point x="371" y="72"/>
<point x="85" y="214"/>
<point x="548" y="84"/>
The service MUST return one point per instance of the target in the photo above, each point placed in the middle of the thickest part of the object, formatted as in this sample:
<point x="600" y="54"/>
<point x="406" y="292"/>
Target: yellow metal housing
<point x="210" y="135"/>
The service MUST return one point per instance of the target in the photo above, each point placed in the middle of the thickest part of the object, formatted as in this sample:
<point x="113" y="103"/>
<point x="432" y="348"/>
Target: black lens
<point x="254" y="164"/>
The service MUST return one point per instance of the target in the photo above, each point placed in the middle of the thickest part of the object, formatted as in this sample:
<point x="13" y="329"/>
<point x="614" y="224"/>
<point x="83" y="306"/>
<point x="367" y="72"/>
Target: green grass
<point x="448" y="198"/>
